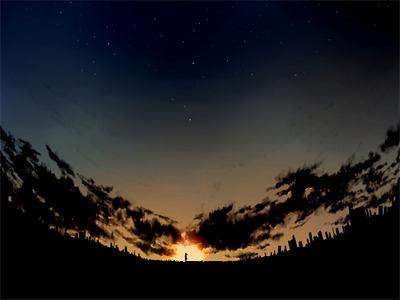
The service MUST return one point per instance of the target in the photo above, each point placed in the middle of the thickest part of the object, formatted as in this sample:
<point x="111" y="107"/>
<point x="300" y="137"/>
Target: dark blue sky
<point x="187" y="106"/>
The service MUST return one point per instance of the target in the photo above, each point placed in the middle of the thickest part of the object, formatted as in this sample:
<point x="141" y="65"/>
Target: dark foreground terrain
<point x="362" y="262"/>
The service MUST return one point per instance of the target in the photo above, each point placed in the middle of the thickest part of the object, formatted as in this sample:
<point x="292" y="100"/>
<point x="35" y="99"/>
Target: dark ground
<point x="36" y="262"/>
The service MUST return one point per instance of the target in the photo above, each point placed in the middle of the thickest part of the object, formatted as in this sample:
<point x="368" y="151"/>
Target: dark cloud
<point x="166" y="219"/>
<point x="155" y="234"/>
<point x="150" y="230"/>
<point x="392" y="139"/>
<point x="228" y="229"/>
<point x="277" y="236"/>
<point x="199" y="216"/>
<point x="299" y="194"/>
<point x="243" y="255"/>
<point x="64" y="167"/>
<point x="58" y="202"/>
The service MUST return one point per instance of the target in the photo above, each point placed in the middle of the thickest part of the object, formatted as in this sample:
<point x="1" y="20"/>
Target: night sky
<point x="184" y="107"/>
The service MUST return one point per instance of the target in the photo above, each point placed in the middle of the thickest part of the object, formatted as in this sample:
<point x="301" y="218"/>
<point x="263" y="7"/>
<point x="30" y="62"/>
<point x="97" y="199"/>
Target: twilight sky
<point x="184" y="107"/>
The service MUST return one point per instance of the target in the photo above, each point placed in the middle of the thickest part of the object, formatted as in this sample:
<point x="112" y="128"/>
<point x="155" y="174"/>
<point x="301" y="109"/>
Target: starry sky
<point x="184" y="107"/>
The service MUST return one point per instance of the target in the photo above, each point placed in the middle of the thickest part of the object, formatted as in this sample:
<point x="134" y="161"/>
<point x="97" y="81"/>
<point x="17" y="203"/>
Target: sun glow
<point x="194" y="253"/>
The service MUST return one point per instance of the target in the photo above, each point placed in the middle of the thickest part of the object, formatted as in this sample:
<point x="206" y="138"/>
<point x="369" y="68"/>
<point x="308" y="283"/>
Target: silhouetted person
<point x="185" y="257"/>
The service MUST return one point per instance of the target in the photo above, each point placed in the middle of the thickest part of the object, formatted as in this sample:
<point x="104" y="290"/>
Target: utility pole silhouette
<point x="185" y="257"/>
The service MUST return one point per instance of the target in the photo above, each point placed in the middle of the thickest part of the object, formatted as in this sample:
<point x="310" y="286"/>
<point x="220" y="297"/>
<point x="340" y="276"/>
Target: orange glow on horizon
<point x="194" y="253"/>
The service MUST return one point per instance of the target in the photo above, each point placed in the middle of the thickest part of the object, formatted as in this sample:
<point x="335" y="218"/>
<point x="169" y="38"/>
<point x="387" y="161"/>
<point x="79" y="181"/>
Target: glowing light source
<point x="194" y="253"/>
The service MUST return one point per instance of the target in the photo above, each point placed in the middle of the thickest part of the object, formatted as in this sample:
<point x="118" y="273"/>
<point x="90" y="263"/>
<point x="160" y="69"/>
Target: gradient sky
<point x="184" y="107"/>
